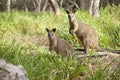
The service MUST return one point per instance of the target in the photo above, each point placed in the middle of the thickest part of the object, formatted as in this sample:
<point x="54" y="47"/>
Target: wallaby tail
<point x="92" y="56"/>
<point x="80" y="54"/>
<point x="102" y="50"/>
<point x="109" y="50"/>
<point x="77" y="49"/>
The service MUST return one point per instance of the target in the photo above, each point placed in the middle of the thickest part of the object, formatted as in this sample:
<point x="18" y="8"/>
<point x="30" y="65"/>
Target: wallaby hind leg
<point x="86" y="48"/>
<point x="51" y="47"/>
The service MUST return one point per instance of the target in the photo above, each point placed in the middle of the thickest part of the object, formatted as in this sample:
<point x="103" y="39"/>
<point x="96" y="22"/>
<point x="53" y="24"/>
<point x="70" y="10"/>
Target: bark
<point x="61" y="3"/>
<point x="9" y="71"/>
<point x="38" y="5"/>
<point x="8" y="5"/>
<point x="87" y="4"/>
<point x="91" y="6"/>
<point x="49" y="8"/>
<point x="94" y="8"/>
<point x="103" y="3"/>
<point x="45" y="5"/>
<point x="25" y="7"/>
<point x="55" y="7"/>
<point x="34" y="5"/>
<point x="81" y="4"/>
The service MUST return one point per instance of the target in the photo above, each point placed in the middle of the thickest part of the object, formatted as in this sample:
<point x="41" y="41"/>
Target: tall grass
<point x="107" y="25"/>
<point x="43" y="65"/>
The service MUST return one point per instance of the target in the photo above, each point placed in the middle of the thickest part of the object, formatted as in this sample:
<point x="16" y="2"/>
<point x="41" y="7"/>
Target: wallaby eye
<point x="51" y="35"/>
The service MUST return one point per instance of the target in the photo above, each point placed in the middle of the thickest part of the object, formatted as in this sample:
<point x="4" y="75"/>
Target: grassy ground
<point x="23" y="40"/>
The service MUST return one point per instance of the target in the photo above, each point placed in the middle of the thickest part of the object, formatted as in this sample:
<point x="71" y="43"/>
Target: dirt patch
<point x="109" y="62"/>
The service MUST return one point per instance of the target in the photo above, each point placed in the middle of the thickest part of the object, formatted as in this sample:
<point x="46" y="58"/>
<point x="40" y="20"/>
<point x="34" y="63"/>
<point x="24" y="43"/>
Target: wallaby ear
<point x="47" y="29"/>
<point x="67" y="11"/>
<point x="54" y="29"/>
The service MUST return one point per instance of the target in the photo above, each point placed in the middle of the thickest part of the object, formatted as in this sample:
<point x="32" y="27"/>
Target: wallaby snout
<point x="71" y="17"/>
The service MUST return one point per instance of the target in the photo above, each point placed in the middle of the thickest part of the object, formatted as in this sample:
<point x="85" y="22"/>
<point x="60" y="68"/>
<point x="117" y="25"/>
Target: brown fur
<point x="59" y="45"/>
<point x="85" y="33"/>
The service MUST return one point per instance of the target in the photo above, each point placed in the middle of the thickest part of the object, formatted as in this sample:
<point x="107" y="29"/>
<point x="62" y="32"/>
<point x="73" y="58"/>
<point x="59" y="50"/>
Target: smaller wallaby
<point x="59" y="45"/>
<point x="85" y="33"/>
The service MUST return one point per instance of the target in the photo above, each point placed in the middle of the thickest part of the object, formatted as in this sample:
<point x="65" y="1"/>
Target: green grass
<point x="43" y="65"/>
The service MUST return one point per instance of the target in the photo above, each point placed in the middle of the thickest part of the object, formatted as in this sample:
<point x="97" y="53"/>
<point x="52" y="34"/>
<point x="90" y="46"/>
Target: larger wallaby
<point x="59" y="45"/>
<point x="85" y="33"/>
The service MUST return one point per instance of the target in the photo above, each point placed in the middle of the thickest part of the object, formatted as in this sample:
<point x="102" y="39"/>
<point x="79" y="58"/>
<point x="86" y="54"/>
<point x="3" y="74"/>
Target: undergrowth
<point x="43" y="65"/>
